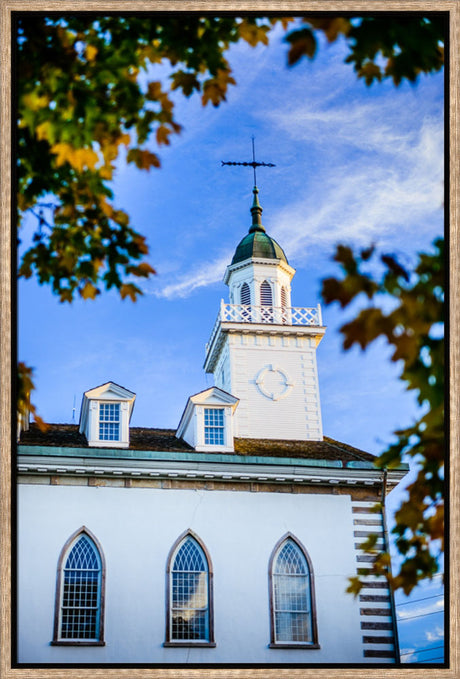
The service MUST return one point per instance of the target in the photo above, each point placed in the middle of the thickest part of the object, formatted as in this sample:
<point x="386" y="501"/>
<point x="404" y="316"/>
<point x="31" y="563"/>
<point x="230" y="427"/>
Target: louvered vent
<point x="265" y="294"/>
<point x="245" y="294"/>
<point x="283" y="297"/>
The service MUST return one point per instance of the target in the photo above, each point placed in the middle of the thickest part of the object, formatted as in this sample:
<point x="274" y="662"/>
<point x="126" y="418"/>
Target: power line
<point x="422" y="615"/>
<point x="423" y="650"/>
<point x="439" y="657"/>
<point x="415" y="601"/>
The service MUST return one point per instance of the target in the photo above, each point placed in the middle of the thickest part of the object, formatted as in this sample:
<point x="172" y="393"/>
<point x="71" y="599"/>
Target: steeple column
<point x="265" y="355"/>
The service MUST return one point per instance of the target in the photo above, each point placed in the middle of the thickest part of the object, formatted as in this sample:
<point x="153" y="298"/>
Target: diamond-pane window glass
<point x="214" y="426"/>
<point x="292" y="609"/>
<point x="189" y="593"/>
<point x="81" y="592"/>
<point x="109" y="421"/>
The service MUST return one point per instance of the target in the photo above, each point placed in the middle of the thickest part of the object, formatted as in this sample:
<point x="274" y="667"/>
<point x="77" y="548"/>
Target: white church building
<point x="228" y="540"/>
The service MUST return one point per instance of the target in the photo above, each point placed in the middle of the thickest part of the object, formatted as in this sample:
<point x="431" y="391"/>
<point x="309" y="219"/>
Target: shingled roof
<point x="67" y="435"/>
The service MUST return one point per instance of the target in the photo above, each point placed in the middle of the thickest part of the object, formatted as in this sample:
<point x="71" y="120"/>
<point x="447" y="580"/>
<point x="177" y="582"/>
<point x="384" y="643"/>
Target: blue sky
<point x="353" y="164"/>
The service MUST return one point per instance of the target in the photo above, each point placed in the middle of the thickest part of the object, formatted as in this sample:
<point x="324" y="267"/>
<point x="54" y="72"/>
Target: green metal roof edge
<point x="192" y="456"/>
<point x="178" y="456"/>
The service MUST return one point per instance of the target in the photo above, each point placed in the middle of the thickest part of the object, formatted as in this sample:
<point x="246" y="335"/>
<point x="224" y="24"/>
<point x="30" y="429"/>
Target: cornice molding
<point x="218" y="471"/>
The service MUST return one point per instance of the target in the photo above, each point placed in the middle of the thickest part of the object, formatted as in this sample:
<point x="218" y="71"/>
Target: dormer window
<point x="109" y="421"/>
<point x="214" y="426"/>
<point x="105" y="415"/>
<point x="207" y="421"/>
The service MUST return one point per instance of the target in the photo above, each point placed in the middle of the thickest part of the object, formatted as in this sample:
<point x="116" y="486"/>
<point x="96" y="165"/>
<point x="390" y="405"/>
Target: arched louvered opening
<point x="246" y="302"/>
<point x="245" y="294"/>
<point x="79" y="595"/>
<point x="189" y="609"/>
<point x="266" y="294"/>
<point x="292" y="603"/>
<point x="266" y="302"/>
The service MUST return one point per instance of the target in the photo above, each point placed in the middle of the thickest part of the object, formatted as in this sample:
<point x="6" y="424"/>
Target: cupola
<point x="259" y="274"/>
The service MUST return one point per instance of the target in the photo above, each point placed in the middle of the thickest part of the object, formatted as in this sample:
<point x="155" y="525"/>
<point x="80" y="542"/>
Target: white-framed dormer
<point x="105" y="414"/>
<point x="207" y="421"/>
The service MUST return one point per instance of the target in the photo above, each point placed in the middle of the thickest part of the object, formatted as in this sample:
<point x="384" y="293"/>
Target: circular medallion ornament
<point x="273" y="382"/>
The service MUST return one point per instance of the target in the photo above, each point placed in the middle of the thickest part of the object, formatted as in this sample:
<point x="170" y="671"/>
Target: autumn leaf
<point x="143" y="159"/>
<point x="77" y="158"/>
<point x="129" y="290"/>
<point x="143" y="269"/>
<point x="370" y="72"/>
<point x="154" y="90"/>
<point x="252" y="33"/>
<point x="91" y="52"/>
<point x="332" y="27"/>
<point x="303" y="43"/>
<point x="25" y="386"/>
<point x="43" y="131"/>
<point x="187" y="82"/>
<point x="162" y="135"/>
<point x="35" y="101"/>
<point x="89" y="291"/>
<point x="214" y="89"/>
<point x="394" y="266"/>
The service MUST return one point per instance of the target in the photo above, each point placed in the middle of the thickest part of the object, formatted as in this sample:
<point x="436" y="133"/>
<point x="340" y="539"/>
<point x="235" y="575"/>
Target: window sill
<point x="190" y="644"/>
<point x="77" y="642"/>
<point x="302" y="646"/>
<point x="102" y="443"/>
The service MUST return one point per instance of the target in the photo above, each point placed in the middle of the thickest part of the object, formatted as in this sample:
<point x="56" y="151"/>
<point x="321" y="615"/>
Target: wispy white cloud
<point x="435" y="635"/>
<point x="408" y="655"/>
<point x="203" y="275"/>
<point x="373" y="199"/>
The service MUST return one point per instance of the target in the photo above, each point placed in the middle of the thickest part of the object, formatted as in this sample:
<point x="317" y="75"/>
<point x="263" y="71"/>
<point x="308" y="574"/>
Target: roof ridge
<point x="349" y="449"/>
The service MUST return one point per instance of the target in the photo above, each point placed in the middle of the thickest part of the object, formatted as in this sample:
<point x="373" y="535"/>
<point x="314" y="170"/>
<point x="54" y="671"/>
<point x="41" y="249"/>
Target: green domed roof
<point x="257" y="243"/>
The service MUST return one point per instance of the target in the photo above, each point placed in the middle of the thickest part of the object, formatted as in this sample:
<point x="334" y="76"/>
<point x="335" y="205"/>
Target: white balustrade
<point x="249" y="313"/>
<point x="276" y="315"/>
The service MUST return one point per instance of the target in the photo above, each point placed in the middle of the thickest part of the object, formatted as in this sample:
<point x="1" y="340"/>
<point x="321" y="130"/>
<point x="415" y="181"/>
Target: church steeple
<point x="262" y="350"/>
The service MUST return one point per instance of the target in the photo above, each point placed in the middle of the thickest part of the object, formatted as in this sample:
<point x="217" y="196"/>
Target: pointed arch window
<point x="79" y="608"/>
<point x="292" y="596"/>
<point x="189" y="597"/>
<point x="266" y="302"/>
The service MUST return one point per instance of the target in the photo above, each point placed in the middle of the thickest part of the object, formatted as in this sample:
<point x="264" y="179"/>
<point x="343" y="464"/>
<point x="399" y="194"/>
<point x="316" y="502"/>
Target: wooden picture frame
<point x="8" y="669"/>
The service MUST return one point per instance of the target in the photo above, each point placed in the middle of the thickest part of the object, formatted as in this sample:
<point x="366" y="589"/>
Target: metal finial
<point x="252" y="164"/>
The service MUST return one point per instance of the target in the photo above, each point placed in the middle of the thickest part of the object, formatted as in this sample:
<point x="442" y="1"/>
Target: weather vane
<point x="252" y="164"/>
